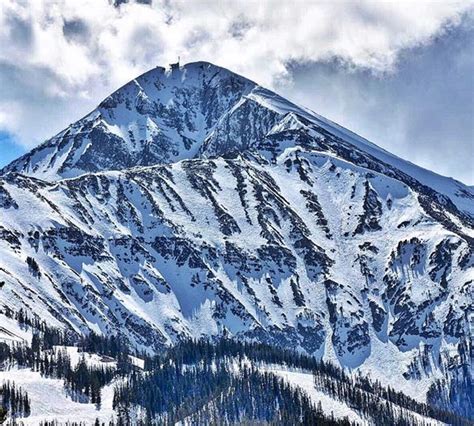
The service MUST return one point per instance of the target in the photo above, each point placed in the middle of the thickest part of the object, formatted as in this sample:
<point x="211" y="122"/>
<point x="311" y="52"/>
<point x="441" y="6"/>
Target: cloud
<point x="60" y="58"/>
<point x="423" y="112"/>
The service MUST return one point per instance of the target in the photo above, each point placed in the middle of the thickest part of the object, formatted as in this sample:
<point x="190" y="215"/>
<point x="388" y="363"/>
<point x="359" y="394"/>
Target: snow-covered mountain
<point x="160" y="117"/>
<point x="195" y="111"/>
<point x="194" y="202"/>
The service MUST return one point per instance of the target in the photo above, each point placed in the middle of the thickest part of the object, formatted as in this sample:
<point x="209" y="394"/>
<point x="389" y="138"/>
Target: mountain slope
<point x="245" y="215"/>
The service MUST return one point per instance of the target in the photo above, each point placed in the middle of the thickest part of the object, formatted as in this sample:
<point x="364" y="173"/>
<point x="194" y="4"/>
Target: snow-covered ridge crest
<point x="166" y="115"/>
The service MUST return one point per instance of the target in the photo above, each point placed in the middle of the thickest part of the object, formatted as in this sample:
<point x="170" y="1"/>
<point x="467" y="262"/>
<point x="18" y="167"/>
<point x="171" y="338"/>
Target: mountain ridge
<point x="251" y="217"/>
<point x="106" y="115"/>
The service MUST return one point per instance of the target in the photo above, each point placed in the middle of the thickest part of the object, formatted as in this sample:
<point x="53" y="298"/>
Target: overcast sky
<point x="397" y="73"/>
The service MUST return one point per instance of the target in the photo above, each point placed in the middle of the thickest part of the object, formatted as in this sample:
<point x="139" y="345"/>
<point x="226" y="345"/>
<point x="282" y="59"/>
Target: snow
<point x="442" y="184"/>
<point x="127" y="281"/>
<point x="92" y="360"/>
<point x="165" y="87"/>
<point x="304" y="380"/>
<point x="189" y="309"/>
<point x="50" y="401"/>
<point x="137" y="362"/>
<point x="11" y="332"/>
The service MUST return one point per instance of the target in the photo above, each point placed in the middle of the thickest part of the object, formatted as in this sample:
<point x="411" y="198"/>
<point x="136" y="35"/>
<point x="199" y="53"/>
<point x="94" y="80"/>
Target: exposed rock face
<point x="275" y="224"/>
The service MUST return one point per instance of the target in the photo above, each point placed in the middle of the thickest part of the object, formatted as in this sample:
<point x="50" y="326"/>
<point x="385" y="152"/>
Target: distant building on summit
<point x="175" y="66"/>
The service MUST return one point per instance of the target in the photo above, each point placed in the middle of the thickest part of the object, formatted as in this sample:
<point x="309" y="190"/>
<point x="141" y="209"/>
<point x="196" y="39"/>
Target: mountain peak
<point x="159" y="117"/>
<point x="203" y="110"/>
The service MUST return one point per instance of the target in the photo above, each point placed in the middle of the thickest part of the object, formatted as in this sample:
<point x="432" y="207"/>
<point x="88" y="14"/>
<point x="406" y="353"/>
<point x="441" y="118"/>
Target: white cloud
<point x="59" y="58"/>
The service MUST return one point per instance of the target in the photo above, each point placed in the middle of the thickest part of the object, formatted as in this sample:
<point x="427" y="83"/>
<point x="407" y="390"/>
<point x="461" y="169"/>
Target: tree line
<point x="195" y="379"/>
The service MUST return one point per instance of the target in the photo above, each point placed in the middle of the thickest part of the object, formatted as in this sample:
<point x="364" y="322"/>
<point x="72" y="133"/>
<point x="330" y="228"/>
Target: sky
<point x="399" y="73"/>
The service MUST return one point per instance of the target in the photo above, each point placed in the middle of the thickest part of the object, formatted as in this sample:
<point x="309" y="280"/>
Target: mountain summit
<point x="195" y="111"/>
<point x="160" y="117"/>
<point x="193" y="202"/>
